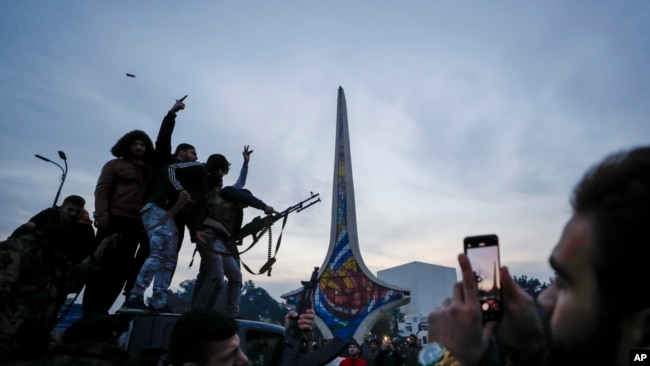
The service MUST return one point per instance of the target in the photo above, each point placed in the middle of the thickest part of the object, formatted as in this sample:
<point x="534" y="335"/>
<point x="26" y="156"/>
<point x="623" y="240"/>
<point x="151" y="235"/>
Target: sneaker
<point x="134" y="306"/>
<point x="162" y="310"/>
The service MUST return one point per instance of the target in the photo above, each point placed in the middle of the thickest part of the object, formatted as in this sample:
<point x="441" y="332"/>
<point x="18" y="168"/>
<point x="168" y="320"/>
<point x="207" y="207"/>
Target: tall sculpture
<point x="349" y="298"/>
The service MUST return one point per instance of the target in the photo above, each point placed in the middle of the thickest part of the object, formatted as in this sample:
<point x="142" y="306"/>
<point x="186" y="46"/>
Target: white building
<point x="429" y="284"/>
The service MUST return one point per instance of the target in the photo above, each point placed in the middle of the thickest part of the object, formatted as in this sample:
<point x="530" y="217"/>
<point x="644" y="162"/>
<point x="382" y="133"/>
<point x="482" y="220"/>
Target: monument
<point x="348" y="298"/>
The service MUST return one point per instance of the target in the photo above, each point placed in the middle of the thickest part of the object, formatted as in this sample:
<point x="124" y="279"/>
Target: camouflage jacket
<point x="34" y="277"/>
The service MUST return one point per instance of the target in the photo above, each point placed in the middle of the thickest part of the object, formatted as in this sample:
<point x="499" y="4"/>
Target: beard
<point x="137" y="153"/>
<point x="596" y="348"/>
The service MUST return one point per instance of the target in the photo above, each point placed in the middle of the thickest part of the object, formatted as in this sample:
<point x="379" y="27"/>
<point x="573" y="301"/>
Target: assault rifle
<point x="291" y="355"/>
<point x="258" y="227"/>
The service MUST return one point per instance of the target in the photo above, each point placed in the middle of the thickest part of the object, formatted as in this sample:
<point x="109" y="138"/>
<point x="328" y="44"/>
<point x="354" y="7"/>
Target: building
<point x="429" y="285"/>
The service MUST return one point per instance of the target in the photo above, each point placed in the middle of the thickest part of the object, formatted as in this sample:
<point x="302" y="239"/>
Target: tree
<point x="180" y="301"/>
<point x="383" y="326"/>
<point x="255" y="302"/>
<point x="531" y="285"/>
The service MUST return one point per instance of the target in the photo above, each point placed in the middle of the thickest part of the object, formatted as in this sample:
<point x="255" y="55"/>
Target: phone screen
<point x="483" y="254"/>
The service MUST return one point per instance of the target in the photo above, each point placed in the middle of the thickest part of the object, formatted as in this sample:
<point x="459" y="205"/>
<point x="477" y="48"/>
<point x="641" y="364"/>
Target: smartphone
<point x="483" y="254"/>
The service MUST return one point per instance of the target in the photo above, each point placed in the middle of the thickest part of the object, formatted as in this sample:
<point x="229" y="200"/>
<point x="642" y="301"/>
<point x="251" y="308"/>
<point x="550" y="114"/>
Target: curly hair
<point x="122" y="147"/>
<point x="615" y="196"/>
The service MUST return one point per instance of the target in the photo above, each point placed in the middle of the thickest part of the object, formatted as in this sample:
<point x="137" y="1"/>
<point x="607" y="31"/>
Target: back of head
<point x="122" y="147"/>
<point x="615" y="197"/>
<point x="75" y="200"/>
<point x="183" y="147"/>
<point x="216" y="162"/>
<point x="196" y="332"/>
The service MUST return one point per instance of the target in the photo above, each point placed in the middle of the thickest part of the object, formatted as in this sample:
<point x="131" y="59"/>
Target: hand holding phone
<point x="483" y="254"/>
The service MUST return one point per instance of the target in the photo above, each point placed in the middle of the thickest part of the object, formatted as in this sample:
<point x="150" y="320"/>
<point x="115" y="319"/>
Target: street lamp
<point x="63" y="171"/>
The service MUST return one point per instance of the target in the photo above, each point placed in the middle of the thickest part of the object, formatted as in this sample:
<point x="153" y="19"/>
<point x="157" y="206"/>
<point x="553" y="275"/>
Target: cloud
<point x="464" y="118"/>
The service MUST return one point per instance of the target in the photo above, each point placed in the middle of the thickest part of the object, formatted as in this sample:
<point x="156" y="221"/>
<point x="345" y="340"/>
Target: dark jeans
<point x="118" y="264"/>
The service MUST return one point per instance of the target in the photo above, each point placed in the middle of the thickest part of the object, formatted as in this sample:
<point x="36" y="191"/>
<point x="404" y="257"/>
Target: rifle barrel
<point x="310" y="204"/>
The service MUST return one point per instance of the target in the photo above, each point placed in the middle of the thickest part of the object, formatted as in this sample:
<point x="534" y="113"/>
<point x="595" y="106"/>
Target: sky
<point x="465" y="117"/>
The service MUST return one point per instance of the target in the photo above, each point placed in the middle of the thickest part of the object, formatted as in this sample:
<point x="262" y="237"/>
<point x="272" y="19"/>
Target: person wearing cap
<point x="353" y="358"/>
<point x="219" y="256"/>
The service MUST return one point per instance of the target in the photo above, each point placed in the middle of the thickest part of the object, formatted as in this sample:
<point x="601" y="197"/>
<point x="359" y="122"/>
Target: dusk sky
<point x="465" y="118"/>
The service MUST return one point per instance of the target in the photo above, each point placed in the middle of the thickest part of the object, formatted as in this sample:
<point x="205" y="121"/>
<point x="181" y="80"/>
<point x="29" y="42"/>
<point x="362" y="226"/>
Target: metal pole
<point x="64" y="172"/>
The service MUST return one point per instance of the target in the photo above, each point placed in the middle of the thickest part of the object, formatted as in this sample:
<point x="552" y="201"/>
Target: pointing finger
<point x="182" y="99"/>
<point x="458" y="294"/>
<point x="469" y="278"/>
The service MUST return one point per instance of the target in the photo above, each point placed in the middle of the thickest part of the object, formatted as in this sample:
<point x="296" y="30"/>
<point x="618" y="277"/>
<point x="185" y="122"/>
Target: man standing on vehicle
<point x="219" y="256"/>
<point x="118" y="200"/>
<point x="162" y="157"/>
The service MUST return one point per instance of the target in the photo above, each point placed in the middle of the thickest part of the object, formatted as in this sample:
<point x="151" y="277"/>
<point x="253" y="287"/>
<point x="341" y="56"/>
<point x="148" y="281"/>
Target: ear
<point x="637" y="329"/>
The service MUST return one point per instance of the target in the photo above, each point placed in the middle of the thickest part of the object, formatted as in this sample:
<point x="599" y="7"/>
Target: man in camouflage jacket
<point x="33" y="275"/>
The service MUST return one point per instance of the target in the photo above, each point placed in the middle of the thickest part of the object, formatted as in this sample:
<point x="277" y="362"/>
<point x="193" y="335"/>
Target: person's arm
<point x="520" y="328"/>
<point x="103" y="191"/>
<point x="458" y="325"/>
<point x="237" y="195"/>
<point x="243" y="173"/>
<point x="172" y="175"/>
<point x="76" y="275"/>
<point x="163" y="148"/>
<point x="305" y="324"/>
<point x="197" y="176"/>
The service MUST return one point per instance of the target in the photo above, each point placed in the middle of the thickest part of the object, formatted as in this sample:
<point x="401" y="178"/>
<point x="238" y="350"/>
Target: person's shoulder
<point x="187" y="164"/>
<point x="117" y="163"/>
<point x="45" y="213"/>
<point x="25" y="239"/>
<point x="232" y="193"/>
<point x="228" y="190"/>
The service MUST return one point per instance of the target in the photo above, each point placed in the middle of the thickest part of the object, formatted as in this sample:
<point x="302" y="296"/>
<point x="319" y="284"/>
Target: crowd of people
<point x="596" y="311"/>
<point x="144" y="199"/>
<point x="389" y="351"/>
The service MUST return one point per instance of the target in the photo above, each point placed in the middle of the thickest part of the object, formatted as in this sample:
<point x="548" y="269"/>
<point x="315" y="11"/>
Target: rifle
<point x="293" y="336"/>
<point x="258" y="227"/>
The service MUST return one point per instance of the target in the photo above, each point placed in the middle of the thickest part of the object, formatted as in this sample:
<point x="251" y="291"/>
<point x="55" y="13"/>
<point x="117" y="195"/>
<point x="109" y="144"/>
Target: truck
<point x="150" y="334"/>
<point x="264" y="344"/>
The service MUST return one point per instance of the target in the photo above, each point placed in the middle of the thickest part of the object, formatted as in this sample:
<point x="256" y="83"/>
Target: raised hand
<point x="458" y="323"/>
<point x="520" y="328"/>
<point x="179" y="105"/>
<point x="247" y="154"/>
